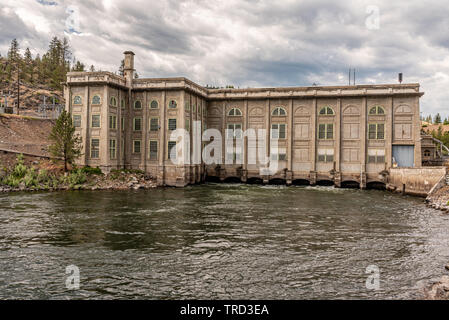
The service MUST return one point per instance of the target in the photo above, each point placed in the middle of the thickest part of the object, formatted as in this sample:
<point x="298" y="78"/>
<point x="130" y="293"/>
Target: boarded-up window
<point x="351" y="131"/>
<point x="301" y="155"/>
<point x="302" y="131"/>
<point x="351" y="155"/>
<point x="403" y="131"/>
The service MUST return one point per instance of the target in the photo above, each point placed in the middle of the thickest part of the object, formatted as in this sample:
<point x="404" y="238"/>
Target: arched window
<point x="376" y="110"/>
<point x="96" y="99"/>
<point x="122" y="103"/>
<point x="113" y="102"/>
<point x="327" y="110"/>
<point x="77" y="100"/>
<point x="154" y="104"/>
<point x="279" y="111"/>
<point x="426" y="153"/>
<point x="172" y="104"/>
<point x="137" y="104"/>
<point x="235" y="112"/>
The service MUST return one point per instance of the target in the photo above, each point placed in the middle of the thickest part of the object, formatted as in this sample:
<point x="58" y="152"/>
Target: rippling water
<point x="219" y="241"/>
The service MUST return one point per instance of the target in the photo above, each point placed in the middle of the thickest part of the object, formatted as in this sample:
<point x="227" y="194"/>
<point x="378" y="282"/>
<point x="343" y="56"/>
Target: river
<point x="220" y="241"/>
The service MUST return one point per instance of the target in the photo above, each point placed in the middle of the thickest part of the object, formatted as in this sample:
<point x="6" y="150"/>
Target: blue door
<point x="404" y="155"/>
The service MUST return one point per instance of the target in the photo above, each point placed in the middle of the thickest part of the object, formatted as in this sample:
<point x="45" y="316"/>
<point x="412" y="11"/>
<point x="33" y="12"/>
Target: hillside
<point x="24" y="134"/>
<point x="31" y="96"/>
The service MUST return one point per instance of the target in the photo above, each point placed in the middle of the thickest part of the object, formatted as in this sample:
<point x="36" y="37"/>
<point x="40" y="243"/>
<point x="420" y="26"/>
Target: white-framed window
<point x="137" y="124"/>
<point x="376" y="110"/>
<point x="77" y="100"/>
<point x="234" y="130"/>
<point x="123" y="123"/>
<point x="96" y="121"/>
<point x="187" y="106"/>
<point x="112" y="122"/>
<point x="235" y="112"/>
<point x="153" y="149"/>
<point x="137" y="104"/>
<point x="170" y="146"/>
<point x="96" y="99"/>
<point x="154" y="124"/>
<point x="172" y="124"/>
<point x="279" y="154"/>
<point x="376" y="131"/>
<point x="172" y="104"/>
<point x="113" y="101"/>
<point x="326" y="131"/>
<point x="137" y="144"/>
<point x="278" y="131"/>
<point x="77" y="120"/>
<point x="376" y="155"/>
<point x="325" y="155"/>
<point x="154" y="104"/>
<point x="122" y="103"/>
<point x="279" y="111"/>
<point x="327" y="111"/>
<point x="95" y="148"/>
<point x="112" y="149"/>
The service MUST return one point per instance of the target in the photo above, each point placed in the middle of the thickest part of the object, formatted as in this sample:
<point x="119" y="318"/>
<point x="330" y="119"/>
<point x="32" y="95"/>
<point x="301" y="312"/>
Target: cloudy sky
<point x="249" y="43"/>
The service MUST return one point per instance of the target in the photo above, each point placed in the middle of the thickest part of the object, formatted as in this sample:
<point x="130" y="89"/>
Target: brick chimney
<point x="129" y="67"/>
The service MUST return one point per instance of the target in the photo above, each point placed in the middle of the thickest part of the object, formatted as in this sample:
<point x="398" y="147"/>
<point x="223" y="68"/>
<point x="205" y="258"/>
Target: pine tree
<point x="13" y="52"/>
<point x="78" y="66"/>
<point x="65" y="143"/>
<point x="437" y="119"/>
<point x="28" y="69"/>
<point x="121" y="70"/>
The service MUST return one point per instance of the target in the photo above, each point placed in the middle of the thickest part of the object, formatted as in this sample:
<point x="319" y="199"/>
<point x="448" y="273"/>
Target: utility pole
<point x="18" y="87"/>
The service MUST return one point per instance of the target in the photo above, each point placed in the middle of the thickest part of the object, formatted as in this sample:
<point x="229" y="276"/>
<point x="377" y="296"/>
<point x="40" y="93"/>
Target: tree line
<point x="437" y="119"/>
<point x="50" y="69"/>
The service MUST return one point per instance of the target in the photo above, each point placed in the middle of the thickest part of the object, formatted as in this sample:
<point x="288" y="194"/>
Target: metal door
<point x="404" y="155"/>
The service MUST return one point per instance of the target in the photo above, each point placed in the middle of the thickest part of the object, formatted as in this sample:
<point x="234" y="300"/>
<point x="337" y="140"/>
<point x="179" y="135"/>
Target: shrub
<point x="20" y="169"/>
<point x="76" y="177"/>
<point x="89" y="170"/>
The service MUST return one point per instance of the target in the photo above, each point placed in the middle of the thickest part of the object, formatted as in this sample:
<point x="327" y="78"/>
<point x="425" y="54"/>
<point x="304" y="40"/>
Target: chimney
<point x="129" y="67"/>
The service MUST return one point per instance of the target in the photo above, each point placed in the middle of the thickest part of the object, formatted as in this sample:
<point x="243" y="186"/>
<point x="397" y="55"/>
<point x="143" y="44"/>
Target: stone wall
<point x="415" y="181"/>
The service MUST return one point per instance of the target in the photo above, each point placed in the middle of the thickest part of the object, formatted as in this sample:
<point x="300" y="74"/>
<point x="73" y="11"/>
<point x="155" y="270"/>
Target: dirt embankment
<point x="25" y="134"/>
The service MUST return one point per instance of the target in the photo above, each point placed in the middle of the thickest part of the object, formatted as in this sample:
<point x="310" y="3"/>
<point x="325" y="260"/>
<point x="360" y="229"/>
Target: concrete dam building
<point x="338" y="134"/>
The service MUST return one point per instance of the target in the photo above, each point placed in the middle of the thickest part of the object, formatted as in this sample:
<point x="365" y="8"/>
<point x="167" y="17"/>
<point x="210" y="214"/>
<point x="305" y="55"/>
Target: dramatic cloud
<point x="249" y="43"/>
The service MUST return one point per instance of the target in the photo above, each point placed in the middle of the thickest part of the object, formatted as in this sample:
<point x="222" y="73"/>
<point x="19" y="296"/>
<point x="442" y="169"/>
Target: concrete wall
<point x="415" y="181"/>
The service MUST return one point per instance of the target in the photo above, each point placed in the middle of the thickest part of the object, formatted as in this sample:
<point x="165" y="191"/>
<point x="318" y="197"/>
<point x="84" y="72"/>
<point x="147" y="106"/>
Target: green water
<point x="219" y="241"/>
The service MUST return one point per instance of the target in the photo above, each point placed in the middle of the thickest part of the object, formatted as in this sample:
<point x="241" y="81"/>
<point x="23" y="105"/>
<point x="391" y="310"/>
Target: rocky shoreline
<point x="121" y="180"/>
<point x="439" y="199"/>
